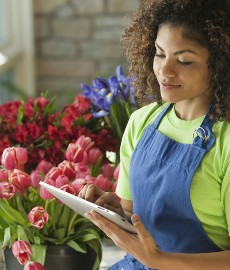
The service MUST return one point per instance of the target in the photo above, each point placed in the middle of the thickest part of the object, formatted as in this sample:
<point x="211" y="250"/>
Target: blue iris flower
<point x="103" y="93"/>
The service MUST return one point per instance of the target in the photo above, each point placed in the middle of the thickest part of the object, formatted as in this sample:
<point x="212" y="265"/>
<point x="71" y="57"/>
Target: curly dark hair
<point x="205" y="21"/>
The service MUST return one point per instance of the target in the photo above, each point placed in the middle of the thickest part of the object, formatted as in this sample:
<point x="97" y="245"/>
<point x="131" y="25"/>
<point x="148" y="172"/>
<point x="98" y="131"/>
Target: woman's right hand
<point x="107" y="200"/>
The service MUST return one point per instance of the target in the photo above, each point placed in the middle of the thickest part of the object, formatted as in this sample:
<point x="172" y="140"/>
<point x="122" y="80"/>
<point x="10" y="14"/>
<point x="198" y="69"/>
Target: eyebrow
<point x="177" y="52"/>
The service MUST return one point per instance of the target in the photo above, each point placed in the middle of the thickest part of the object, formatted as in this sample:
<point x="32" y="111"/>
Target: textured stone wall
<point x="76" y="40"/>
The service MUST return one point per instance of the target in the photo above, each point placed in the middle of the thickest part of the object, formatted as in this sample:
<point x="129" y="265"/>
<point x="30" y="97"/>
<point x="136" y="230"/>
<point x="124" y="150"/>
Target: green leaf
<point x="22" y="235"/>
<point x="39" y="253"/>
<point x="6" y="218"/>
<point x="21" y="208"/>
<point x="13" y="214"/>
<point x="7" y="237"/>
<point x="81" y="247"/>
<point x="96" y="246"/>
<point x="60" y="233"/>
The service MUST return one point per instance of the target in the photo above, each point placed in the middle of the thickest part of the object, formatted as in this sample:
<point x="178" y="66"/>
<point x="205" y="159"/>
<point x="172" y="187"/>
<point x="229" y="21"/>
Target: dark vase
<point x="57" y="257"/>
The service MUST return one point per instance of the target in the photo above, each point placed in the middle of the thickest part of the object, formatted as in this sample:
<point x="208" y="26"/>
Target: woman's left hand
<point x="141" y="245"/>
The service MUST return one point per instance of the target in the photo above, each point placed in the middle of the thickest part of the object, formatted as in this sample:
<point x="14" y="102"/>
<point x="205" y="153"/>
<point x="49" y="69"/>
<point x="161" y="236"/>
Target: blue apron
<point x="161" y="173"/>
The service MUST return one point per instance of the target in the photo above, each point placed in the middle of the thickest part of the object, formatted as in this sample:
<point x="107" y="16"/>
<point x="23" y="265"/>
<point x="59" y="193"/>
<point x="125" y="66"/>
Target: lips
<point x="169" y="86"/>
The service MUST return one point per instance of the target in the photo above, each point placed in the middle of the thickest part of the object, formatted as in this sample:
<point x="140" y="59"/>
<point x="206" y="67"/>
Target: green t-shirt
<point x="210" y="189"/>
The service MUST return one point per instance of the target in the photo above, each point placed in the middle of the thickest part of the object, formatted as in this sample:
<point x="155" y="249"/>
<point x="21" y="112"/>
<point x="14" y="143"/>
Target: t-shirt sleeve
<point x="126" y="151"/>
<point x="225" y="196"/>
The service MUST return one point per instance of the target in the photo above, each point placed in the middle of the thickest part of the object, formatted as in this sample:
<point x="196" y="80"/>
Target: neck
<point x="190" y="111"/>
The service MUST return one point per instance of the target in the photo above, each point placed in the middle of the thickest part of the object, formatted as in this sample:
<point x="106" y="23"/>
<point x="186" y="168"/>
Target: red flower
<point x="7" y="190"/>
<point x="78" y="184"/>
<point x="14" y="158"/>
<point x="46" y="195"/>
<point x="33" y="266"/>
<point x="94" y="155"/>
<point x="21" y="250"/>
<point x="20" y="179"/>
<point x="68" y="188"/>
<point x="38" y="217"/>
<point x="76" y="153"/>
<point x="103" y="182"/>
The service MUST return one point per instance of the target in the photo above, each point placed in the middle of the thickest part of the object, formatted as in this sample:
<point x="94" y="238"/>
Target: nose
<point x="167" y="69"/>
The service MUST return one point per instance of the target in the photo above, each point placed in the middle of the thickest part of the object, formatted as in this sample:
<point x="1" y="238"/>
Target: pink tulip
<point x="33" y="266"/>
<point x="14" y="158"/>
<point x="4" y="175"/>
<point x="78" y="184"/>
<point x="38" y="217"/>
<point x="94" y="155"/>
<point x="61" y="181"/>
<point x="21" y="250"/>
<point x="7" y="190"/>
<point x="85" y="142"/>
<point x="53" y="173"/>
<point x="41" y="102"/>
<point x="67" y="168"/>
<point x="36" y="177"/>
<point x="107" y="170"/>
<point x="116" y="172"/>
<point x="103" y="182"/>
<point x="90" y="179"/>
<point x="20" y="179"/>
<point x="68" y="188"/>
<point x="44" y="166"/>
<point x="76" y="153"/>
<point x="81" y="170"/>
<point x="45" y="194"/>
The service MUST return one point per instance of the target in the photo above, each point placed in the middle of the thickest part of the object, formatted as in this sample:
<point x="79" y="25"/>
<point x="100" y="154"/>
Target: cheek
<point x="155" y="67"/>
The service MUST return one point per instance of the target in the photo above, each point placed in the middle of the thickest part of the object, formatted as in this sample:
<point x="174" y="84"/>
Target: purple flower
<point x="103" y="93"/>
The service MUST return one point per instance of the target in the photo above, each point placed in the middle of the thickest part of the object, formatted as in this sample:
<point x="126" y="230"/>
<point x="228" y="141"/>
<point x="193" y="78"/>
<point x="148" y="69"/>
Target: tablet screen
<point x="82" y="206"/>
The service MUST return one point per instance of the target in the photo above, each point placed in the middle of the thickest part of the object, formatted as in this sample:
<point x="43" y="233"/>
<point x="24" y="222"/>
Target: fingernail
<point x="135" y="218"/>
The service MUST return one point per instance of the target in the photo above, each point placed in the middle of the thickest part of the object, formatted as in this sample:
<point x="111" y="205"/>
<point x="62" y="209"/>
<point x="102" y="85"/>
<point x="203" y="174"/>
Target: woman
<point x="175" y="152"/>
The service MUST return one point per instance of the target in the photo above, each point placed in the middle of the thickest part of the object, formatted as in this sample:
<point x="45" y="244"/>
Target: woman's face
<point x="181" y="67"/>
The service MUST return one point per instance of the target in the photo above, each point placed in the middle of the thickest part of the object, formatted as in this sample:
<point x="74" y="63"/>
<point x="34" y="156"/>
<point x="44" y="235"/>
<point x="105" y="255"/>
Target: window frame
<point x="17" y="53"/>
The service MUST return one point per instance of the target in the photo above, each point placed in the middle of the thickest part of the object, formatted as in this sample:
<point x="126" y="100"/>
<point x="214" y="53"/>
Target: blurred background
<point x="54" y="45"/>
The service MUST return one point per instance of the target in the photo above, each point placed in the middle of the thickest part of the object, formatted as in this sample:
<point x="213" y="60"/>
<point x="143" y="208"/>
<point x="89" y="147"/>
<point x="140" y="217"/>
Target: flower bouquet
<point x="66" y="149"/>
<point x="31" y="218"/>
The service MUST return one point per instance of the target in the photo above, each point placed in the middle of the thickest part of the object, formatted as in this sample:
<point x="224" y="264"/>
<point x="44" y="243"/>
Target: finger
<point x="140" y="228"/>
<point x="81" y="194"/>
<point x="92" y="193"/>
<point x="106" y="198"/>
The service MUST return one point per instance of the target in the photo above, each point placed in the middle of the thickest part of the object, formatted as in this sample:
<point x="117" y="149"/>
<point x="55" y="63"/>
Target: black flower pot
<point x="57" y="257"/>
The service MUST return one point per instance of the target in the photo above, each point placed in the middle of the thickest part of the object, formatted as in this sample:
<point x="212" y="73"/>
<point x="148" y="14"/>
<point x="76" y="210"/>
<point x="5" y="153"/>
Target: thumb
<point x="140" y="228"/>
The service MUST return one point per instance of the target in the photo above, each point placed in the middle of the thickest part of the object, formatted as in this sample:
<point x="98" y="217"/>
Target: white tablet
<point x="82" y="206"/>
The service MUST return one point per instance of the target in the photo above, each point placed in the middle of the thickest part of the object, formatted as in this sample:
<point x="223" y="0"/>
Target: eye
<point x="184" y="63"/>
<point x="159" y="55"/>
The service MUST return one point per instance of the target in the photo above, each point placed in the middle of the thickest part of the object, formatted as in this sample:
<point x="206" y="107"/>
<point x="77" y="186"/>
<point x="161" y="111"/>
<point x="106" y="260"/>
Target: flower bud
<point x="36" y="177"/>
<point x="68" y="188"/>
<point x="107" y="170"/>
<point x="85" y="142"/>
<point x="81" y="170"/>
<point x="44" y="166"/>
<point x="78" y="184"/>
<point x="103" y="182"/>
<point x="14" y="158"/>
<point x="38" y="217"/>
<point x="116" y="172"/>
<point x="45" y="194"/>
<point x="4" y="175"/>
<point x="67" y="168"/>
<point x="33" y="266"/>
<point x="7" y="190"/>
<point x="61" y="181"/>
<point x="76" y="153"/>
<point x="21" y="250"/>
<point x="20" y="179"/>
<point x="94" y="155"/>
